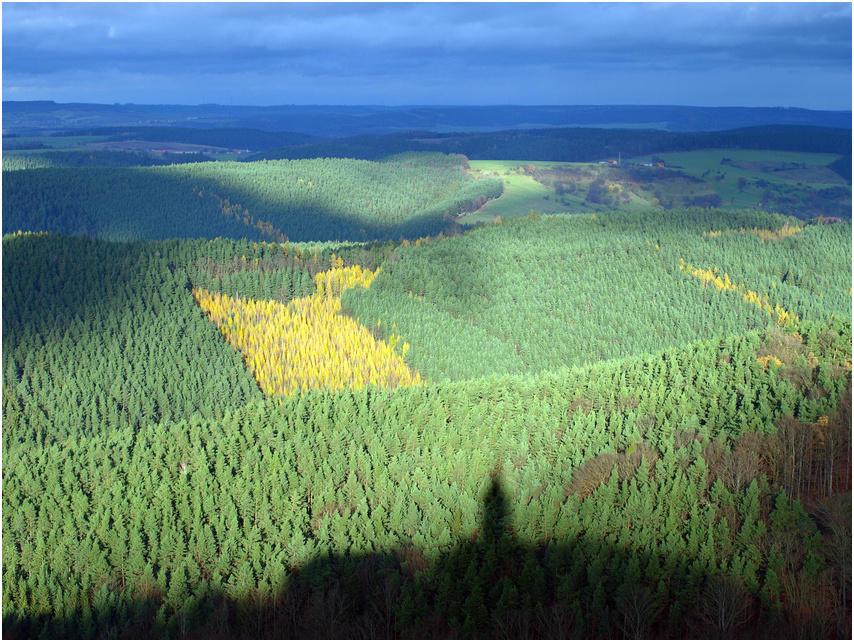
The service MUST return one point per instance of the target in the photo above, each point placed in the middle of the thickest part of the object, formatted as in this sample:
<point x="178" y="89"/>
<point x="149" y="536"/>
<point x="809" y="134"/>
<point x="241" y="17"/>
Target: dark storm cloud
<point x="414" y="53"/>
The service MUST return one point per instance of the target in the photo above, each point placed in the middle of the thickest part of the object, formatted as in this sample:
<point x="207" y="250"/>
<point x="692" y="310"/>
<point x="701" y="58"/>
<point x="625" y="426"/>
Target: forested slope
<point x="67" y="158"/>
<point x="532" y="295"/>
<point x="680" y="475"/>
<point x="98" y="335"/>
<point x="309" y="200"/>
<point x="560" y="503"/>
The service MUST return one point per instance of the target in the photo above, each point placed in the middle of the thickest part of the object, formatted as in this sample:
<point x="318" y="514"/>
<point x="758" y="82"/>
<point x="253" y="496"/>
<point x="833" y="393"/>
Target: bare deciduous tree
<point x="637" y="611"/>
<point x="725" y="606"/>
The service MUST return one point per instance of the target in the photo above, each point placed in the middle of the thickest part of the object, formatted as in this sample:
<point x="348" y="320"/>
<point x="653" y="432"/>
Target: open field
<point x="510" y="166"/>
<point x="769" y="177"/>
<point x="521" y="194"/>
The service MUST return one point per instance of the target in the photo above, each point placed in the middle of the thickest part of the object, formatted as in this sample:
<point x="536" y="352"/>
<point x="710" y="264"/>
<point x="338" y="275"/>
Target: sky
<point x="449" y="53"/>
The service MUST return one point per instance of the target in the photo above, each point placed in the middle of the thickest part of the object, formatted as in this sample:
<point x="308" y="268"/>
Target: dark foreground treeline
<point x="688" y="490"/>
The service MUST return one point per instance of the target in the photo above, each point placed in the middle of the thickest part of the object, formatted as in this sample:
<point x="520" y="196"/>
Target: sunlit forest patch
<point x="544" y="292"/>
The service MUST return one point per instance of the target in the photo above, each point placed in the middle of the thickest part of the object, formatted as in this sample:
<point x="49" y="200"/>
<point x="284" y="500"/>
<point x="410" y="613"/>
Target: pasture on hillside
<point x="765" y="172"/>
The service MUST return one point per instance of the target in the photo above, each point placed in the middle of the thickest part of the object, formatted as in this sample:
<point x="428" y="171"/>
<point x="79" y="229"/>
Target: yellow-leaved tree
<point x="307" y="344"/>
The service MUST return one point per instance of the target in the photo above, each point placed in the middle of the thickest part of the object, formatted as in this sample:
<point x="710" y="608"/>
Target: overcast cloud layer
<point x="716" y="54"/>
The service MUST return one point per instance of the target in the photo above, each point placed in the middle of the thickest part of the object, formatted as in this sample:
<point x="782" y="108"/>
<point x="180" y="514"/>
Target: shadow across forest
<point x="114" y="306"/>
<point x="489" y="585"/>
<point x="160" y="203"/>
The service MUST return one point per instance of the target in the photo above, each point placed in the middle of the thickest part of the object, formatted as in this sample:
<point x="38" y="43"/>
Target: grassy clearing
<point x="776" y="166"/>
<point x="502" y="167"/>
<point x="522" y="193"/>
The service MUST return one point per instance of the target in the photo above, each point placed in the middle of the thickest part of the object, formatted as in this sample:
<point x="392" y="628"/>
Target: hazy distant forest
<point x="546" y="383"/>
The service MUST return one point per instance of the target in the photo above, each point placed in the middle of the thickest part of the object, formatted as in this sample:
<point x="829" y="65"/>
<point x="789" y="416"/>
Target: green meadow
<point x="522" y="193"/>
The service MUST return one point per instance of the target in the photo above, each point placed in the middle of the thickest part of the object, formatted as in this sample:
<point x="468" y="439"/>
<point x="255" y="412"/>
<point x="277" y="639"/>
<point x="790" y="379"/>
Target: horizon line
<point x="430" y="105"/>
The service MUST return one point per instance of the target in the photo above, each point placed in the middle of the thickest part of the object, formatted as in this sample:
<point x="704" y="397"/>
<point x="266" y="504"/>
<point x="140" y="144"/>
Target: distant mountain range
<point x="334" y="121"/>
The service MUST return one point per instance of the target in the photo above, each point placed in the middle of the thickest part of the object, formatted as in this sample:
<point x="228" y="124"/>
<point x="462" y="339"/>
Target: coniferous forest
<point x="293" y="398"/>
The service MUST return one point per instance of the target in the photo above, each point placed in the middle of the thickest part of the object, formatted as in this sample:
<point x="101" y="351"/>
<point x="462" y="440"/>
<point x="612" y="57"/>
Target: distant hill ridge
<point x="341" y="121"/>
<point x="579" y="144"/>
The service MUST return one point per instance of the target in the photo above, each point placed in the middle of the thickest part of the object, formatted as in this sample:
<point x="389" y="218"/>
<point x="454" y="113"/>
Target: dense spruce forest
<point x="528" y="296"/>
<point x="408" y="195"/>
<point x="294" y="398"/>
